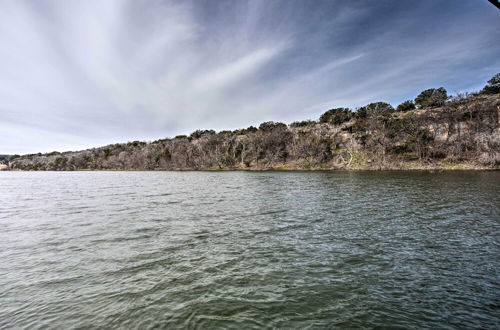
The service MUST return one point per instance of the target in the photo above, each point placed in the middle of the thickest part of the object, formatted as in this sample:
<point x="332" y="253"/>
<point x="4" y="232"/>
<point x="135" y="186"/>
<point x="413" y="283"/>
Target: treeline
<point x="433" y="130"/>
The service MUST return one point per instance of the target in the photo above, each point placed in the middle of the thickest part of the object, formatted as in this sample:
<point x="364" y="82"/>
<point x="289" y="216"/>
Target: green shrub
<point x="374" y="109"/>
<point x="406" y="106"/>
<point x="336" y="116"/>
<point x="60" y="162"/>
<point x="107" y="152"/>
<point x="135" y="144"/>
<point x="165" y="154"/>
<point x="493" y="86"/>
<point x="432" y="97"/>
<point x="247" y="130"/>
<point x="269" y="126"/>
<point x="302" y="123"/>
<point x="199" y="133"/>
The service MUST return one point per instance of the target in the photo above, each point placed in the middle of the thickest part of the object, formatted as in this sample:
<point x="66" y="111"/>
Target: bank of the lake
<point x="460" y="134"/>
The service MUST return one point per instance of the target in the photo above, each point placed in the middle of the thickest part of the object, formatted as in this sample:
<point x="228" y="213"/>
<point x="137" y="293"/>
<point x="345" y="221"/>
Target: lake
<point x="237" y="250"/>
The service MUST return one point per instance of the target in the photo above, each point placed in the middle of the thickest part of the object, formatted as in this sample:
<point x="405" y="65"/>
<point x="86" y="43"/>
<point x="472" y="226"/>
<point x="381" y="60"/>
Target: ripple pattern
<point x="252" y="250"/>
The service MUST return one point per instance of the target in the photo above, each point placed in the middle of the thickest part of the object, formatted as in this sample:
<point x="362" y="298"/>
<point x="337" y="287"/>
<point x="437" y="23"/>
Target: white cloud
<point x="80" y="73"/>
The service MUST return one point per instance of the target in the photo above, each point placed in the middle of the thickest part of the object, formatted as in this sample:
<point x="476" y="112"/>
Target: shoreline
<point x="462" y="134"/>
<point x="281" y="169"/>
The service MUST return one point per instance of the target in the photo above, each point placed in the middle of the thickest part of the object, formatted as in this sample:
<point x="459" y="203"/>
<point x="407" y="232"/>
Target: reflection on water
<point x="249" y="249"/>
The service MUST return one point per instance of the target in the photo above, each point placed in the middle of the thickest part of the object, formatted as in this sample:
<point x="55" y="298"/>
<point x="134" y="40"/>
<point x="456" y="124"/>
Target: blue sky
<point x="79" y="74"/>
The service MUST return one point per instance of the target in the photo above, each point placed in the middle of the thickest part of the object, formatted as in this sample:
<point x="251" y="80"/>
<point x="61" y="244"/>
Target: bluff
<point x="463" y="132"/>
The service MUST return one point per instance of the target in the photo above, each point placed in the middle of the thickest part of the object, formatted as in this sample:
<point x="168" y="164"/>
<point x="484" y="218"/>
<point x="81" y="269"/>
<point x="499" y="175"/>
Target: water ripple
<point x="234" y="250"/>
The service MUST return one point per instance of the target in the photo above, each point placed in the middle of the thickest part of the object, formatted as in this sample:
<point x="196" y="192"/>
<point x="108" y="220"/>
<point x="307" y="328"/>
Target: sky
<point x="79" y="74"/>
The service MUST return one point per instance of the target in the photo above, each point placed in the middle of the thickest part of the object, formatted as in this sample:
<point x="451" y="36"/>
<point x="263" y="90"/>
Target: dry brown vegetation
<point x="462" y="133"/>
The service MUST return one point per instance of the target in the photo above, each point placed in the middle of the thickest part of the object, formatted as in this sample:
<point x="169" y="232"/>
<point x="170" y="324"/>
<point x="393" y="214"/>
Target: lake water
<point x="249" y="250"/>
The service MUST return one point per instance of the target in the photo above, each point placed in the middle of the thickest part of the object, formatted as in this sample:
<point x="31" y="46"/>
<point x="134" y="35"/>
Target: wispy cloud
<point x="77" y="74"/>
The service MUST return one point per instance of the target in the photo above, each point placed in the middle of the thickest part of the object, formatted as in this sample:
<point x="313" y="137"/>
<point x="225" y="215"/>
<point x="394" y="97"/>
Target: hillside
<point x="461" y="133"/>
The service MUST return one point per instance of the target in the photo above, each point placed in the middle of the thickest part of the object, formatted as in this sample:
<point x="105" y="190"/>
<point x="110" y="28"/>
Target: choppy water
<point x="249" y="250"/>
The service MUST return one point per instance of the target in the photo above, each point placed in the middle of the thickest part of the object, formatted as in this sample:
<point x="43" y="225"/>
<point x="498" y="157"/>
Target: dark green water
<point x="240" y="250"/>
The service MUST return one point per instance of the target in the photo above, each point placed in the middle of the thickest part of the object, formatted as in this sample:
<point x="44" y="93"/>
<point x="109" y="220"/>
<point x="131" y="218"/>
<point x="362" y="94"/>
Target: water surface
<point x="249" y="250"/>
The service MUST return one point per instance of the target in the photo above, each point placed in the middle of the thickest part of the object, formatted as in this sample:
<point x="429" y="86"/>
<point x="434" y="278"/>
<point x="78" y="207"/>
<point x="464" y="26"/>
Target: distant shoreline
<point x="461" y="134"/>
<point x="385" y="169"/>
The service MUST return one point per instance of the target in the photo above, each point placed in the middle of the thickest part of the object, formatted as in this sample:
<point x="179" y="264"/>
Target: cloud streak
<point x="76" y="74"/>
